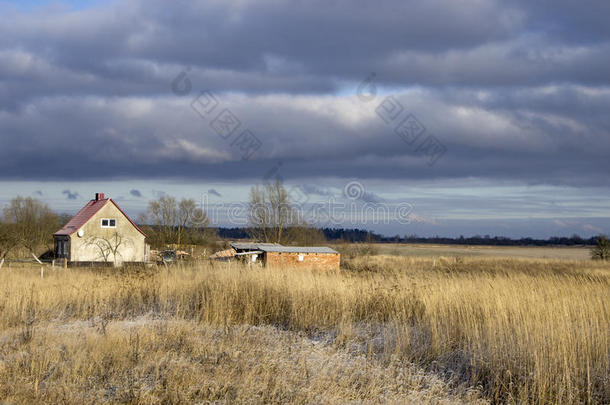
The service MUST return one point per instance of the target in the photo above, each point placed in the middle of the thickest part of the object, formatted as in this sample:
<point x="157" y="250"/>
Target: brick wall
<point x="326" y="261"/>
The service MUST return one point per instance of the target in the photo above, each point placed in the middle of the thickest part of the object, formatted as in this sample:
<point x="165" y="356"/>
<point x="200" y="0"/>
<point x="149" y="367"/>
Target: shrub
<point x="602" y="250"/>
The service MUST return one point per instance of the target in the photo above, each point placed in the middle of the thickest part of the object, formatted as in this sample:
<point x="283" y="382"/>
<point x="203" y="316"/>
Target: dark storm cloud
<point x="136" y="47"/>
<point x="370" y="197"/>
<point x="553" y="135"/>
<point x="214" y="192"/>
<point x="569" y="21"/>
<point x="514" y="90"/>
<point x="70" y="195"/>
<point x="315" y="190"/>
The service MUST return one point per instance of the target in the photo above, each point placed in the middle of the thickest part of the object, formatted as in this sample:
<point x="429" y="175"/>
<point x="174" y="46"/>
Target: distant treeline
<point x="360" y="235"/>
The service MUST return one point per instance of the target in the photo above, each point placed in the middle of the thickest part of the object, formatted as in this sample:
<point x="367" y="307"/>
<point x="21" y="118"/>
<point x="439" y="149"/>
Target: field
<point x="386" y="329"/>
<point x="429" y="250"/>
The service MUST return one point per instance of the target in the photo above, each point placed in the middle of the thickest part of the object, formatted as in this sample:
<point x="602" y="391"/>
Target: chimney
<point x="99" y="196"/>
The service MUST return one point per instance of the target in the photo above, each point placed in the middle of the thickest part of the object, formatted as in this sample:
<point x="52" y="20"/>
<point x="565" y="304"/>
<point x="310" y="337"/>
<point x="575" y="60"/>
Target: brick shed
<point x="273" y="254"/>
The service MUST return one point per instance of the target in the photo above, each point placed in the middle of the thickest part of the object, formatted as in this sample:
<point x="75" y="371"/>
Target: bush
<point x="602" y="250"/>
<point x="354" y="250"/>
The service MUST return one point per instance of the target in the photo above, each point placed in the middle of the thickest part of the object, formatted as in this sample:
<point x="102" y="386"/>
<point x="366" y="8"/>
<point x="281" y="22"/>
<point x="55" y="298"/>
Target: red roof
<point x="85" y="214"/>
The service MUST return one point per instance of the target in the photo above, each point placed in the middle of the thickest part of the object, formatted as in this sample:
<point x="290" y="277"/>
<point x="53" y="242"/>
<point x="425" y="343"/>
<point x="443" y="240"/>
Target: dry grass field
<point x="533" y="252"/>
<point x="386" y="329"/>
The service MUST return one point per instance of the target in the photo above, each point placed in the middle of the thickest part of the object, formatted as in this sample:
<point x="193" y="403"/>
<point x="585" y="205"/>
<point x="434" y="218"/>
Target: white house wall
<point x="131" y="249"/>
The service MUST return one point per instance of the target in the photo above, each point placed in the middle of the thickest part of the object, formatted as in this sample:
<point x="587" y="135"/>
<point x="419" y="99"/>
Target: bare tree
<point x="163" y="214"/>
<point x="190" y="218"/>
<point x="258" y="214"/>
<point x="33" y="222"/>
<point x="109" y="249"/>
<point x="8" y="239"/>
<point x="172" y="219"/>
<point x="270" y="212"/>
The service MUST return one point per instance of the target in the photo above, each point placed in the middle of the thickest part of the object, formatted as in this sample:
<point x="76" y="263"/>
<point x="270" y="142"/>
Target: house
<point x="101" y="233"/>
<point x="273" y="254"/>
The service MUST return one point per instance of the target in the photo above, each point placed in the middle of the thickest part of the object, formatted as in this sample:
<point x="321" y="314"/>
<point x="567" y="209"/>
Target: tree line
<point x="355" y="235"/>
<point x="27" y="225"/>
<point x="271" y="215"/>
<point x="169" y="221"/>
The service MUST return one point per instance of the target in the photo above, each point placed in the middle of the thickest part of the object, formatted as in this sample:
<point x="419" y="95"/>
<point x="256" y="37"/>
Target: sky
<point x="436" y="117"/>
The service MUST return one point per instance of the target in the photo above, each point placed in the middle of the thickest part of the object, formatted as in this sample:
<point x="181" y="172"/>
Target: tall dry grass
<point x="147" y="361"/>
<point x="520" y="331"/>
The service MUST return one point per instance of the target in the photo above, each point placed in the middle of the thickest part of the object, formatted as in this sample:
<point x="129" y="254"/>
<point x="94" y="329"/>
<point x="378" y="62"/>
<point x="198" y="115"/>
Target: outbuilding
<point x="273" y="254"/>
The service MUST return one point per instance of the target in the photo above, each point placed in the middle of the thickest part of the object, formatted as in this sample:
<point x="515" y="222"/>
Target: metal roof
<point x="255" y="246"/>
<point x="299" y="249"/>
<point x="82" y="216"/>
<point x="275" y="247"/>
<point x="86" y="213"/>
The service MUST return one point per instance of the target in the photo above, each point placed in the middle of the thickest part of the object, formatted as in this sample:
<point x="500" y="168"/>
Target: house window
<point x="108" y="223"/>
<point x="301" y="257"/>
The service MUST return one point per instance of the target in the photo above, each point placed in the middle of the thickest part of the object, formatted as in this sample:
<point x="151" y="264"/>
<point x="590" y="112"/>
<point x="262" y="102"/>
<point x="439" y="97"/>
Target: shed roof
<point x="275" y="247"/>
<point x="254" y="246"/>
<point x="299" y="249"/>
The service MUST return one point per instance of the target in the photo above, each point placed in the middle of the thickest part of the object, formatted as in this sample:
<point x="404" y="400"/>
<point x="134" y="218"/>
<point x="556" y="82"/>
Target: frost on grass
<point x="152" y="361"/>
<point x="520" y="331"/>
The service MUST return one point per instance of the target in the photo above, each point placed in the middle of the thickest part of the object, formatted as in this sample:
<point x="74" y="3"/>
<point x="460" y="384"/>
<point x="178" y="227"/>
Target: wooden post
<point x="41" y="272"/>
<point x="1" y="262"/>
